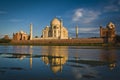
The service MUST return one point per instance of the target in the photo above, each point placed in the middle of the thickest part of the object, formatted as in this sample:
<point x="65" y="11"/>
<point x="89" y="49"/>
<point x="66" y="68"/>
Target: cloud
<point x="88" y="16"/>
<point x="119" y="2"/>
<point x="3" y="12"/>
<point x="85" y="16"/>
<point x="78" y="14"/>
<point x="15" y="20"/>
<point x="112" y="6"/>
<point x="86" y="30"/>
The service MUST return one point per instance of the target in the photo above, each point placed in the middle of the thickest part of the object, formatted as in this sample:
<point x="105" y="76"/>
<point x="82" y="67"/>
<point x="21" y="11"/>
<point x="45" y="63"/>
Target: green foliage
<point x="117" y="38"/>
<point x="5" y="40"/>
<point x="36" y="36"/>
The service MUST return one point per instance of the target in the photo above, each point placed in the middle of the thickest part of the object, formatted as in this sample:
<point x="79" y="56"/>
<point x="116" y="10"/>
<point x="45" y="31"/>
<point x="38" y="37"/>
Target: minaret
<point x="31" y="31"/>
<point x="76" y="31"/>
<point x="61" y="28"/>
<point x="101" y="31"/>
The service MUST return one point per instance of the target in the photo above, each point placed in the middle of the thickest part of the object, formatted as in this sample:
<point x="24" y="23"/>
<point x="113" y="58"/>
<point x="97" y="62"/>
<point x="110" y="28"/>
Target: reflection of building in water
<point x="20" y="56"/>
<point x="30" y="52"/>
<point x="21" y="53"/>
<point x="110" y="58"/>
<point x="20" y="49"/>
<point x="55" y="56"/>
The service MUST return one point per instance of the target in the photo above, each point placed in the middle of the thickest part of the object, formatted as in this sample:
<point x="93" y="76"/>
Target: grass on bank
<point x="8" y="42"/>
<point x="63" y="44"/>
<point x="5" y="40"/>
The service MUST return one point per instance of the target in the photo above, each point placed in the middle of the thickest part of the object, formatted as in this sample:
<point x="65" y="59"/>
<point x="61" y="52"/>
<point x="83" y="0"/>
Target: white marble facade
<point x="56" y="30"/>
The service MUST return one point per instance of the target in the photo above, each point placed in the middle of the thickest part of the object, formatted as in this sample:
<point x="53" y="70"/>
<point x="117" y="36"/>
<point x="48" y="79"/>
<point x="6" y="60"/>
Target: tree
<point x="117" y="38"/>
<point x="36" y="36"/>
<point x="6" y="37"/>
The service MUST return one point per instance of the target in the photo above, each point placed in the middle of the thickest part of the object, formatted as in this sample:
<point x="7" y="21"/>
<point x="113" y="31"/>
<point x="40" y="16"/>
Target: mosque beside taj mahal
<point x="56" y="31"/>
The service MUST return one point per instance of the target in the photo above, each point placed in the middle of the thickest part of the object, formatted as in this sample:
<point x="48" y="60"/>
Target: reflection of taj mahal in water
<point x="55" y="57"/>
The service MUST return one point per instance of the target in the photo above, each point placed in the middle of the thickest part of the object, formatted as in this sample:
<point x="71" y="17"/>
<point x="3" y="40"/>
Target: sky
<point x="16" y="15"/>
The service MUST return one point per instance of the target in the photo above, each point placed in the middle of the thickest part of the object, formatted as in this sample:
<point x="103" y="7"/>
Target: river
<point x="59" y="63"/>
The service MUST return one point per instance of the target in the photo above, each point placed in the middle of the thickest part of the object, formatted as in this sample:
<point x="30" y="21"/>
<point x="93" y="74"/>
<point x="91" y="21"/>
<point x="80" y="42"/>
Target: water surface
<point x="59" y="63"/>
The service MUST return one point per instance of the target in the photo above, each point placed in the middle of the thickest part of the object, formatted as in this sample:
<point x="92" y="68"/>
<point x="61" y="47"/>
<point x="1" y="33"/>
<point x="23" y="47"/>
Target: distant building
<point x="6" y="37"/>
<point x="23" y="35"/>
<point x="20" y="36"/>
<point x="109" y="32"/>
<point x="56" y="30"/>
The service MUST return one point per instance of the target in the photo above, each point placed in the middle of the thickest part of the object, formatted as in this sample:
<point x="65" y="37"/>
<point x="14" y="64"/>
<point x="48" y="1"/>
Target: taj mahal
<point x="57" y="31"/>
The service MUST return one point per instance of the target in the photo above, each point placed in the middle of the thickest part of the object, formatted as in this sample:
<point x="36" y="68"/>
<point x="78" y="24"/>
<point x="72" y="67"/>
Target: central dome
<point x="55" y="22"/>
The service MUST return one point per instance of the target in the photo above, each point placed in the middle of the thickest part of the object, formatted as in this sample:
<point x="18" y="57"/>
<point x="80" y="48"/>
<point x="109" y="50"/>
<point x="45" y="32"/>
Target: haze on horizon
<point x="16" y="15"/>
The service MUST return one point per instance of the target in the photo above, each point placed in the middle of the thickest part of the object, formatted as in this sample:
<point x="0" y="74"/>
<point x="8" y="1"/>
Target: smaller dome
<point x="111" y="25"/>
<point x="46" y="28"/>
<point x="21" y="31"/>
<point x="55" y="21"/>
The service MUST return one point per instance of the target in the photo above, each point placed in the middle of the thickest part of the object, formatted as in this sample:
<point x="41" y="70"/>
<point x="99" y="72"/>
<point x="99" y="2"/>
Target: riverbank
<point x="89" y="45"/>
<point x="62" y="42"/>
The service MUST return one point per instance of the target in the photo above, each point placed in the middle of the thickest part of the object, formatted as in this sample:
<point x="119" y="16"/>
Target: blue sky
<point x="16" y="15"/>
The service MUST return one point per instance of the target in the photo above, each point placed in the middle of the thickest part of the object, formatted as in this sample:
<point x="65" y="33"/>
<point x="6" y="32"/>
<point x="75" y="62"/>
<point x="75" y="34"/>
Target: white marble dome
<point x="55" y="22"/>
